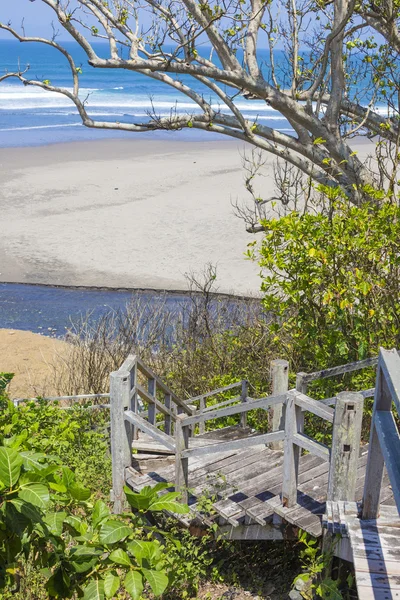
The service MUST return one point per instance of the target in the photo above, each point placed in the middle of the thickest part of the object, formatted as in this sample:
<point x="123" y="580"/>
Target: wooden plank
<point x="145" y="370"/>
<point x="346" y="438"/>
<point x="314" y="406"/>
<point x="367" y="593"/>
<point x="371" y="565"/>
<point x="389" y="361"/>
<point x="379" y="580"/>
<point x="375" y="465"/>
<point x="121" y="436"/>
<point x="233" y="445"/>
<point x="152" y="400"/>
<point x="291" y="454"/>
<point x="303" y="441"/>
<point x="221" y="404"/>
<point x="152" y="410"/>
<point x="147" y="427"/>
<point x="238" y="409"/>
<point x="251" y="532"/>
<point x="339" y="370"/>
<point x="280" y="384"/>
<point x="129" y="363"/>
<point x="390" y="446"/>
<point x="231" y="386"/>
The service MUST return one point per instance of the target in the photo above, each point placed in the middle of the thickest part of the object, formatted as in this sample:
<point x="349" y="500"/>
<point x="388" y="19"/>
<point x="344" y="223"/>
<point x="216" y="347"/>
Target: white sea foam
<point x="55" y="126"/>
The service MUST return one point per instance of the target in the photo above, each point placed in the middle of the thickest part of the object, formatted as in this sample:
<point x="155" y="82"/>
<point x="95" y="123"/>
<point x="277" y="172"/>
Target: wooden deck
<point x="270" y="485"/>
<point x="245" y="485"/>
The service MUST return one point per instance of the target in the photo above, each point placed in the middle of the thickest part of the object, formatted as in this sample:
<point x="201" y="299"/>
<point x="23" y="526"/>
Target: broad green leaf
<point x="133" y="583"/>
<point x="100" y="512"/>
<point x="113" y="531"/>
<point x="77" y="524"/>
<point x="36" y="494"/>
<point x="10" y="466"/>
<point x="111" y="584"/>
<point x="157" y="579"/>
<point x="144" y="550"/>
<point x="79" y="493"/>
<point x="55" y="522"/>
<point x="137" y="500"/>
<point x="94" y="591"/>
<point x="84" y="558"/>
<point x="34" y="460"/>
<point x="120" y="557"/>
<point x="174" y="507"/>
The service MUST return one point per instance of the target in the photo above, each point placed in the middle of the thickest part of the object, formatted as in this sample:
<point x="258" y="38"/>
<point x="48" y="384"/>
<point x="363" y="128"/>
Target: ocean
<point x="31" y="116"/>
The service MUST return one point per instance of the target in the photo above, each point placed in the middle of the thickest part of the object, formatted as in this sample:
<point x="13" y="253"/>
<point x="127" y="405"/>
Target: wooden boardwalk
<point x="270" y="485"/>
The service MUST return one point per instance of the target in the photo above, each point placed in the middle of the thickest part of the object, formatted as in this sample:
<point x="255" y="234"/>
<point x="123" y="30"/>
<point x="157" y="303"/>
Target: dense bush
<point x="332" y="281"/>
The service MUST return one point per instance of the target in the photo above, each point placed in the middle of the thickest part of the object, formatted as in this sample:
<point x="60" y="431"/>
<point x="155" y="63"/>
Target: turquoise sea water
<point x="31" y="116"/>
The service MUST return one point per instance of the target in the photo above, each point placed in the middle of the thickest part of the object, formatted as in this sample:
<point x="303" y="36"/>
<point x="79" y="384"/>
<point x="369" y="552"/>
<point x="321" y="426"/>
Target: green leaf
<point x="79" y="493"/>
<point x="34" y="460"/>
<point x="10" y="466"/>
<point x="76" y="524"/>
<point x="94" y="591"/>
<point x="138" y="501"/>
<point x="55" y="522"/>
<point x="120" y="557"/>
<point x="144" y="550"/>
<point x="174" y="507"/>
<point x="111" y="584"/>
<point x="36" y="494"/>
<point x="113" y="531"/>
<point x="157" y="579"/>
<point x="133" y="583"/>
<point x="100" y="512"/>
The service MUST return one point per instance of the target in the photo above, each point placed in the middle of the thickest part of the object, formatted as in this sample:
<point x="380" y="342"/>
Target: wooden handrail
<point x="213" y="392"/>
<point x="234" y="410"/>
<point x="145" y="370"/>
<point x="384" y="445"/>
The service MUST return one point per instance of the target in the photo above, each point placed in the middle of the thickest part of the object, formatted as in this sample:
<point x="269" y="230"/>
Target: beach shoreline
<point x="125" y="214"/>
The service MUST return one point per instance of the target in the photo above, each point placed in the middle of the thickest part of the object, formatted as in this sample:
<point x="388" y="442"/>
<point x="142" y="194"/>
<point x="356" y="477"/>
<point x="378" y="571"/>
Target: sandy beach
<point x="124" y="214"/>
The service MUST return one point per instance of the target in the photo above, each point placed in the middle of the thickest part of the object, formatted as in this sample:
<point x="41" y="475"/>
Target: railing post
<point x="202" y="405"/>
<point x="375" y="462"/>
<point x="152" y="389"/>
<point x="121" y="436"/>
<point x="243" y="398"/>
<point x="134" y="399"/>
<point x="291" y="452"/>
<point x="167" y="420"/>
<point x="346" y="439"/>
<point x="280" y="385"/>
<point x="181" y="463"/>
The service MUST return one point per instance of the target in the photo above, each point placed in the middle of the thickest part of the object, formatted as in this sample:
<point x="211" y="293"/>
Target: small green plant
<point x="313" y="581"/>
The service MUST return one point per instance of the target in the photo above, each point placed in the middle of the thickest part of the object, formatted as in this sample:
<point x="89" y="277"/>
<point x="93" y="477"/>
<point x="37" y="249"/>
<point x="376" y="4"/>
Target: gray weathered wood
<point x="390" y="447"/>
<point x="280" y="384"/>
<point x="152" y="400"/>
<point x="168" y="419"/>
<point x="181" y="462"/>
<point x="237" y="409"/>
<point x="243" y="397"/>
<point x="375" y="465"/>
<point x="314" y="406"/>
<point x="346" y="438"/>
<point x="290" y="455"/>
<point x="224" y="403"/>
<point x="152" y="412"/>
<point x="202" y="406"/>
<point x="231" y="386"/>
<point x="147" y="372"/>
<point x="133" y="397"/>
<point x="236" y="444"/>
<point x="303" y="441"/>
<point x="389" y="362"/>
<point x="121" y="436"/>
<point x="341" y="369"/>
<point x="147" y="427"/>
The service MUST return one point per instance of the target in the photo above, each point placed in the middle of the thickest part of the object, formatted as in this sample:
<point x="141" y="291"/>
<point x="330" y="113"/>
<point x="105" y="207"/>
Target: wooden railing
<point x="384" y="446"/>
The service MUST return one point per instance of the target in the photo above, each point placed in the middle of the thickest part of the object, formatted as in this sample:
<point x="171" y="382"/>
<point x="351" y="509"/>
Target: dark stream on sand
<point x="50" y="310"/>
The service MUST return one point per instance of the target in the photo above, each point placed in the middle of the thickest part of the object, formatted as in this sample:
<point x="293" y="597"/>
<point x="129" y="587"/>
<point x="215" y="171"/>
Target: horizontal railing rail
<point x="77" y="398"/>
<point x="384" y="446"/>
